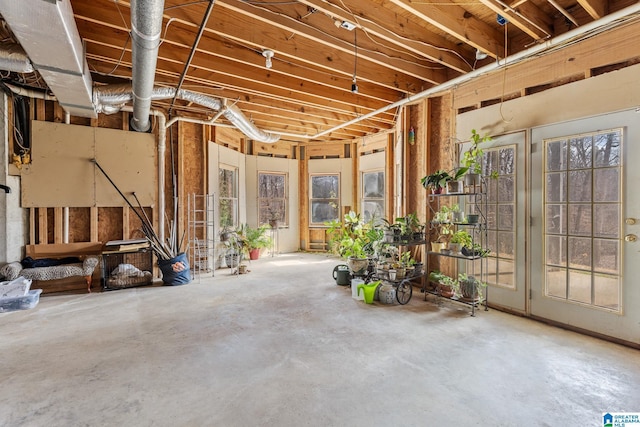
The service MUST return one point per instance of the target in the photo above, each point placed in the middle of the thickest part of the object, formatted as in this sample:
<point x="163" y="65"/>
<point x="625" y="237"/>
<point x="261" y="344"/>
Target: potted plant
<point x="470" y="288"/>
<point x="474" y="250"/>
<point x="472" y="158"/>
<point x="356" y="240"/>
<point x="460" y="239"/>
<point x="455" y="185"/>
<point x="445" y="285"/>
<point x="255" y="239"/>
<point x="436" y="182"/>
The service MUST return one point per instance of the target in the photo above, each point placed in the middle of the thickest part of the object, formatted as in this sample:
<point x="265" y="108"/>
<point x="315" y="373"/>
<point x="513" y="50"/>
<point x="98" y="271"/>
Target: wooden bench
<point x="65" y="277"/>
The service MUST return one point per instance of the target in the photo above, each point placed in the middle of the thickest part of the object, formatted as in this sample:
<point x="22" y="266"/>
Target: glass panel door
<point x="584" y="223"/>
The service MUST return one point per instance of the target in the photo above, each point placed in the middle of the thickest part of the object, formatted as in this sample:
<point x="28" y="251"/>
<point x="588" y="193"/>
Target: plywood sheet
<point x="129" y="160"/>
<point x="61" y="173"/>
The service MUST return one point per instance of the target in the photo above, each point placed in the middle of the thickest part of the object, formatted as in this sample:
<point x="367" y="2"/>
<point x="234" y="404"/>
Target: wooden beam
<point x="595" y="8"/>
<point x="376" y="20"/>
<point x="459" y="23"/>
<point x="528" y="18"/>
<point x="43" y="226"/>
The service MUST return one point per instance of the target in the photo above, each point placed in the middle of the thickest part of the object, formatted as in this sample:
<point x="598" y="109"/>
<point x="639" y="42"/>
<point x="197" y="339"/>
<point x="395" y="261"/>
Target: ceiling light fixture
<point x="480" y="55"/>
<point x="348" y="25"/>
<point x="268" y="54"/>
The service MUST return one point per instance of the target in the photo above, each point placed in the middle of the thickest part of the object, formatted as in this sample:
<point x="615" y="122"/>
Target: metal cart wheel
<point x="404" y="292"/>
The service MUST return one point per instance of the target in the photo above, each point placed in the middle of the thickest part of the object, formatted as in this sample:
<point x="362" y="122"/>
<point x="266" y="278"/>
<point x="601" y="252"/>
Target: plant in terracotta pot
<point x="445" y="285"/>
<point x="255" y="239"/>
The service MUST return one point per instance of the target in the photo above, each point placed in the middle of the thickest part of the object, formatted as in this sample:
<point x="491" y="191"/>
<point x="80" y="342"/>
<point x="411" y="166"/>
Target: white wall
<point x="287" y="236"/>
<point x="344" y="167"/>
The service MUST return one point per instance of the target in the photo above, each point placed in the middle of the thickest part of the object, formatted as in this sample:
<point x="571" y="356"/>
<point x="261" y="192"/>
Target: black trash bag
<point x="175" y="271"/>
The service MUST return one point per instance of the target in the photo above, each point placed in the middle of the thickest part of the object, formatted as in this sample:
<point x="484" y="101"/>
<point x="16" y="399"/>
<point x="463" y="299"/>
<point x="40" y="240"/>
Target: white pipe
<point x="570" y="36"/>
<point x="162" y="148"/>
<point x="30" y="93"/>
<point x="65" y="210"/>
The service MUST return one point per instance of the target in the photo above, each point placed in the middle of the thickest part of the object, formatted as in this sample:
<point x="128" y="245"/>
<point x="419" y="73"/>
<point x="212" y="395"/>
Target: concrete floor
<point x="285" y="346"/>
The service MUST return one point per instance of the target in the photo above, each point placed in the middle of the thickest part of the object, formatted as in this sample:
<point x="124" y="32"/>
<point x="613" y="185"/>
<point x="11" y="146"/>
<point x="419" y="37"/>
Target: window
<point x="583" y="210"/>
<point x="501" y="214"/>
<point x="325" y="201"/>
<point x="228" y="199"/>
<point x="372" y="195"/>
<point x="272" y="198"/>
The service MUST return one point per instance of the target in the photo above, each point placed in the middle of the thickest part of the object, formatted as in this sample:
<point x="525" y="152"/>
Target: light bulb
<point x="268" y="54"/>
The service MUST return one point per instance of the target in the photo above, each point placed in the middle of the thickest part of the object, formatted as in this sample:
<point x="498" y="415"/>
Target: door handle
<point x="630" y="238"/>
<point x="630" y="221"/>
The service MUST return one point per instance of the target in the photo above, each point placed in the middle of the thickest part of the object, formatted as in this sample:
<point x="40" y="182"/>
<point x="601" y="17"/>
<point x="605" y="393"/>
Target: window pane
<point x="556" y="282"/>
<point x="579" y="252"/>
<point x="505" y="244"/>
<point x="556" y="156"/>
<point x="556" y="220"/>
<point x="606" y="220"/>
<point x="580" y="219"/>
<point x="556" y="187"/>
<point x="556" y="249"/>
<point x="324" y="187"/>
<point x="580" y="152"/>
<point x="506" y="273"/>
<point x="506" y="217"/>
<point x="580" y="286"/>
<point x="607" y="146"/>
<point x="607" y="291"/>
<point x="271" y="185"/>
<point x="507" y="161"/>
<point x="227" y="183"/>
<point x="606" y="185"/>
<point x="373" y="184"/>
<point x="323" y="211"/>
<point x="606" y="256"/>
<point x="580" y="186"/>
<point x="372" y="209"/>
<point x="506" y="189"/>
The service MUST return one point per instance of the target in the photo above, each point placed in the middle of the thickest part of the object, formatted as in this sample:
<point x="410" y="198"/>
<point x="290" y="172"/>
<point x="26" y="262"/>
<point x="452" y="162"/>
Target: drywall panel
<point x="129" y="158"/>
<point x="345" y="168"/>
<point x="60" y="173"/>
<point x="614" y="91"/>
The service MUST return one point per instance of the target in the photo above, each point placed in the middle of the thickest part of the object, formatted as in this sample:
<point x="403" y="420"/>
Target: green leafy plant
<point x="463" y="238"/>
<point x="255" y="238"/>
<point x="472" y="158"/>
<point x="354" y="237"/>
<point x="470" y="287"/>
<point x="436" y="181"/>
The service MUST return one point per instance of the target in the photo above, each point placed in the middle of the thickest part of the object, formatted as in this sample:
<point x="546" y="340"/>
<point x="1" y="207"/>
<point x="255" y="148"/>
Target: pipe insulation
<point x="14" y="58"/>
<point x="146" y="28"/>
<point x="111" y="99"/>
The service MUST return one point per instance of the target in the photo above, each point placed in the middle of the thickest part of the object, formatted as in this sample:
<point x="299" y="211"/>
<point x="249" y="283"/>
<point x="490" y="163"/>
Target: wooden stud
<point x="58" y="230"/>
<point x="94" y="224"/>
<point x="43" y="230"/>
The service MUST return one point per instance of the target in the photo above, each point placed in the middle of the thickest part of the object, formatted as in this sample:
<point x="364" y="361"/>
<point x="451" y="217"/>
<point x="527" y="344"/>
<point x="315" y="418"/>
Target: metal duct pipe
<point x="146" y="27"/>
<point x="111" y="99"/>
<point x="14" y="58"/>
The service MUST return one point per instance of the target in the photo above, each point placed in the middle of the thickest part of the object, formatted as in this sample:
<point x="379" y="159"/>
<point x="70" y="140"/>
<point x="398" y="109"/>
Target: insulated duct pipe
<point x="146" y="27"/>
<point x="111" y="99"/>
<point x="14" y="58"/>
